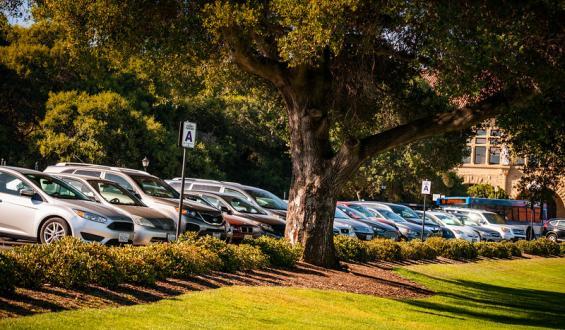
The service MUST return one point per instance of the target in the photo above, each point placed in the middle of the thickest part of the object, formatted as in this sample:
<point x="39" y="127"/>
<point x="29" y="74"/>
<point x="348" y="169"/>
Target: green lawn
<point x="491" y="294"/>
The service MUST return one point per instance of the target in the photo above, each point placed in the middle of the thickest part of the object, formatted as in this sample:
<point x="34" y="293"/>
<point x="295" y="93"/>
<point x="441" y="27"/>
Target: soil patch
<point x="371" y="279"/>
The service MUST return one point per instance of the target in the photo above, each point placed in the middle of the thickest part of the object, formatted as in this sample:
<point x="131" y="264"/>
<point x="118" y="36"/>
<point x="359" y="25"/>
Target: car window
<point x="339" y="214"/>
<point x="448" y="219"/>
<point x="56" y="188"/>
<point x="115" y="194"/>
<point x="205" y="187"/>
<point x="213" y="201"/>
<point x="155" y="187"/>
<point x="234" y="192"/>
<point x="119" y="180"/>
<point x="199" y="200"/>
<point x="83" y="188"/>
<point x="361" y="209"/>
<point x="404" y="211"/>
<point x="389" y="215"/>
<point x="495" y="218"/>
<point x="266" y="199"/>
<point x="95" y="174"/>
<point x="242" y="206"/>
<point x="10" y="184"/>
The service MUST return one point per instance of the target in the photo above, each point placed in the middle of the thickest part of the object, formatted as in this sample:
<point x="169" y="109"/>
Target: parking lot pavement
<point x="5" y="244"/>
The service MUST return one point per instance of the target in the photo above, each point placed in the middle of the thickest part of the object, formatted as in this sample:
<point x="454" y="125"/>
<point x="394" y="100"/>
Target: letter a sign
<point x="188" y="134"/>
<point x="426" y="187"/>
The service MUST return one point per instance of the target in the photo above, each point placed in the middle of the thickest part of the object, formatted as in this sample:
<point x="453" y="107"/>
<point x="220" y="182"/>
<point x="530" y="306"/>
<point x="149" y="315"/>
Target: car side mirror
<point x="27" y="192"/>
<point x="225" y="209"/>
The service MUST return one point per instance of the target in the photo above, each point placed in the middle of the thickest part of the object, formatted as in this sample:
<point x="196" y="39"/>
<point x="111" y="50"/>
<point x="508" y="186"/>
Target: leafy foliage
<point x="485" y="190"/>
<point x="539" y="247"/>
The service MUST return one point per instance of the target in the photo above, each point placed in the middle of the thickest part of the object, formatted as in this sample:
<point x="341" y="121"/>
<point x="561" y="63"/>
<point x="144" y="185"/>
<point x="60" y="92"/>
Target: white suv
<point x="491" y="220"/>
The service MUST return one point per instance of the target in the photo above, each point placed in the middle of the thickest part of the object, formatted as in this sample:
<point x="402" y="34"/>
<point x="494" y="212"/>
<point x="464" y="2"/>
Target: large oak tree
<point x="349" y="72"/>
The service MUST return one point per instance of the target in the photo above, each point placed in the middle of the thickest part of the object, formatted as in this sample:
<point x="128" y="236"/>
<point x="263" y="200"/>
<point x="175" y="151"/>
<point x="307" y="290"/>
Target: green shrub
<point x="7" y="273"/>
<point x="350" y="249"/>
<point x="493" y="250"/>
<point x="244" y="257"/>
<point x="456" y="249"/>
<point x="562" y="248"/>
<point x="279" y="251"/>
<point x="140" y="265"/>
<point x="539" y="247"/>
<point x="29" y="265"/>
<point x="416" y="250"/>
<point x="514" y="250"/>
<point x="384" y="249"/>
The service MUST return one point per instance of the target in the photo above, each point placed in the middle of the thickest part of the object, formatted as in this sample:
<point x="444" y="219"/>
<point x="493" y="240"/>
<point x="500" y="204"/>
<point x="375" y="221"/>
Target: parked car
<point x="380" y="229"/>
<point x="486" y="234"/>
<point x="155" y="193"/>
<point x="554" y="230"/>
<point x="342" y="228"/>
<point x="450" y="222"/>
<point x="261" y="197"/>
<point x="491" y="220"/>
<point x="408" y="230"/>
<point x="151" y="226"/>
<point x="409" y="215"/>
<point x="234" y="206"/>
<point x="38" y="207"/>
<point x="362" y="231"/>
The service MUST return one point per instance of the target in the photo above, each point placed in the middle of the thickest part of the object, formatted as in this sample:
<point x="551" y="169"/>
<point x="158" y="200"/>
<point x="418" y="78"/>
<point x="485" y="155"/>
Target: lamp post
<point x="534" y="190"/>
<point x="145" y="163"/>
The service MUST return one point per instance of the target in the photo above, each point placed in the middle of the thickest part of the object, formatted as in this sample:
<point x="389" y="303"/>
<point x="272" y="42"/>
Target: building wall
<point x="498" y="169"/>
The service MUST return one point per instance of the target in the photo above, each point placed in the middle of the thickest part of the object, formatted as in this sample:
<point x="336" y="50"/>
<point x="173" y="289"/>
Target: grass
<point x="489" y="294"/>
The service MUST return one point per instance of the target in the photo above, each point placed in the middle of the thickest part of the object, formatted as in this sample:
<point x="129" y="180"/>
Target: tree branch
<point x="354" y="153"/>
<point x="251" y="61"/>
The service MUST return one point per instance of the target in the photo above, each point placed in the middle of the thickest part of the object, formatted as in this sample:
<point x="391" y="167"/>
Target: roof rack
<point x="106" y="167"/>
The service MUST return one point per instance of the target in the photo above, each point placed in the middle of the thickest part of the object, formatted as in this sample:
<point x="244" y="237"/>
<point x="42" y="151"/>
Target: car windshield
<point x="339" y="214"/>
<point x="404" y="211"/>
<point x="352" y="213"/>
<point x="56" y="188"/>
<point x="361" y="209"/>
<point x="242" y="206"/>
<point x="467" y="221"/>
<point x="266" y="199"/>
<point x="389" y="215"/>
<point x="113" y="193"/>
<point x="199" y="200"/>
<point x="495" y="218"/>
<point x="448" y="219"/>
<point x="155" y="187"/>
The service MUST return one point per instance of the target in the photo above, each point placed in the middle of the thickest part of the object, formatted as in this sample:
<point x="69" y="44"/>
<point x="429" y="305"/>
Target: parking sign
<point x="426" y="187"/>
<point x="188" y="134"/>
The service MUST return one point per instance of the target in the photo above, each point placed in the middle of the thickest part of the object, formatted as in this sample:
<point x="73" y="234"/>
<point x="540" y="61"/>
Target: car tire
<point x="53" y="230"/>
<point x="552" y="237"/>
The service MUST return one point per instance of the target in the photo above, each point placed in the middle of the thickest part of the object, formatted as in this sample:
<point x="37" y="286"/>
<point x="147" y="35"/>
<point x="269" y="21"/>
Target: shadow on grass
<point x="515" y="306"/>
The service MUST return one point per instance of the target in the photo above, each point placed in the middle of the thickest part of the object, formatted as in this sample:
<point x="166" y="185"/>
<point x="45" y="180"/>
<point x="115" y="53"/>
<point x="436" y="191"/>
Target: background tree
<point x="485" y="190"/>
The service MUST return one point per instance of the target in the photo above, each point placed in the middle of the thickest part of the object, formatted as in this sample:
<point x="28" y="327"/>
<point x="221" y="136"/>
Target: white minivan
<point x="491" y="220"/>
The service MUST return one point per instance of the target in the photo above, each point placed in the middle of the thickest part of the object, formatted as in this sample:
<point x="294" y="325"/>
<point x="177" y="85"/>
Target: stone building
<point x="490" y="162"/>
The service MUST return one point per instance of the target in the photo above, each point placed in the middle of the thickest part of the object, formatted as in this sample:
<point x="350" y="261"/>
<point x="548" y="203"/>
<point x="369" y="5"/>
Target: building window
<point x="480" y="141"/>
<point x="495" y="132"/>
<point x="480" y="155"/>
<point x="481" y="132"/>
<point x="494" y="155"/>
<point x="467" y="158"/>
<point x="519" y="161"/>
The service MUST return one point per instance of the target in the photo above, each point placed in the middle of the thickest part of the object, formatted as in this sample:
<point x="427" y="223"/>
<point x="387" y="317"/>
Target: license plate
<point x="369" y="237"/>
<point x="171" y="237"/>
<point x="123" y="237"/>
<point x="217" y="235"/>
<point x="247" y="236"/>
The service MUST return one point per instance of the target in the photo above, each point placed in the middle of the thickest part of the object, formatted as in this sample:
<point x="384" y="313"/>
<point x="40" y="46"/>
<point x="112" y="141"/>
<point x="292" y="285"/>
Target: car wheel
<point x="552" y="237"/>
<point x="53" y="230"/>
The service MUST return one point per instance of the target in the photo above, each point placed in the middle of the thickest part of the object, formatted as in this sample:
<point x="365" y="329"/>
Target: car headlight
<point x="377" y="229"/>
<point x="187" y="212"/>
<point x="143" y="222"/>
<point x="506" y="230"/>
<point x="90" y="216"/>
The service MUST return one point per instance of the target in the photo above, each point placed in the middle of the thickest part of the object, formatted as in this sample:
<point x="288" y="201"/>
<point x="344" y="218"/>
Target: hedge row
<point x="351" y="249"/>
<point x="71" y="263"/>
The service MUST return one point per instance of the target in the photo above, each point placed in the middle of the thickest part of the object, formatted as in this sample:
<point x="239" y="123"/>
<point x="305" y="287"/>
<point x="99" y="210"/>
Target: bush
<point x="279" y="251"/>
<point x="7" y="274"/>
<point x="539" y="247"/>
<point x="514" y="250"/>
<point x="562" y="247"/>
<point x="384" y="249"/>
<point x="493" y="250"/>
<point x="28" y="265"/>
<point x="456" y="249"/>
<point x="140" y="265"/>
<point x="416" y="250"/>
<point x="350" y="249"/>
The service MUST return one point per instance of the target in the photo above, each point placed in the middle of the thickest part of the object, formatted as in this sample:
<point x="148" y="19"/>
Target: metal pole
<point x="181" y="192"/>
<point x="424" y="218"/>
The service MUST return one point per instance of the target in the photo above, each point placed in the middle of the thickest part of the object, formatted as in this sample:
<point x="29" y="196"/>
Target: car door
<point x="17" y="212"/>
<point x="560" y="229"/>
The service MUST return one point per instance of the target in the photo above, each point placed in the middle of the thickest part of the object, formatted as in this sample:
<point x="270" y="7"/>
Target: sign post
<point x="187" y="136"/>
<point x="426" y="190"/>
